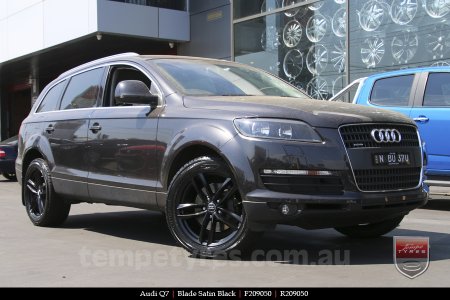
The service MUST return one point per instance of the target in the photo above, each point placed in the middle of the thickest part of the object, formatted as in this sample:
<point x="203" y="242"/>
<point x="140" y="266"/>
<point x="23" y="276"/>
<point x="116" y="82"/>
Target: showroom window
<point x="306" y="42"/>
<point x="398" y="34"/>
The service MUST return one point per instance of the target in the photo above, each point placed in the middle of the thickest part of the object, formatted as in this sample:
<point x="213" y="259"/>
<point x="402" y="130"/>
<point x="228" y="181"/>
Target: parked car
<point x="225" y="150"/>
<point x="8" y="155"/>
<point x="423" y="94"/>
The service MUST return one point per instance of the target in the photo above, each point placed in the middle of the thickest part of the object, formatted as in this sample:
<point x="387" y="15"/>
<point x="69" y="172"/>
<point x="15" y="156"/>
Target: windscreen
<point x="212" y="78"/>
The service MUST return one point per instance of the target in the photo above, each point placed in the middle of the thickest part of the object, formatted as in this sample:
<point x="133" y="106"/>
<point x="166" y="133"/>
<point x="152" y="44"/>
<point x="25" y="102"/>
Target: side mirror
<point x="134" y="92"/>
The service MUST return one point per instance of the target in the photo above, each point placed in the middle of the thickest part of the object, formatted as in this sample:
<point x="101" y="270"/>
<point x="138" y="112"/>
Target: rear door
<point x="66" y="130"/>
<point x="122" y="146"/>
<point x="431" y="112"/>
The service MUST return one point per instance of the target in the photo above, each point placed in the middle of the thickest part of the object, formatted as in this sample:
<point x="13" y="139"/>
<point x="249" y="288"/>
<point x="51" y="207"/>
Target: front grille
<point x="387" y="179"/>
<point x="358" y="136"/>
<point x="307" y="185"/>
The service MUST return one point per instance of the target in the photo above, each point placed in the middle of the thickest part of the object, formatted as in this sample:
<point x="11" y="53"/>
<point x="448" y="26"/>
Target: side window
<point x="121" y="73"/>
<point x="51" y="99"/>
<point x="83" y="90"/>
<point x="437" y="91"/>
<point x="393" y="91"/>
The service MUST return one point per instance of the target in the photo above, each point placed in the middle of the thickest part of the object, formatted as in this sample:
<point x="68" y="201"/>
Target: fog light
<point x="285" y="209"/>
<point x="288" y="209"/>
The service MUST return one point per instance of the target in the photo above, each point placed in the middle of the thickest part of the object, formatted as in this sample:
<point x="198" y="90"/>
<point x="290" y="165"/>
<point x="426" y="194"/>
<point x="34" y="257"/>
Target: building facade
<point x="317" y="45"/>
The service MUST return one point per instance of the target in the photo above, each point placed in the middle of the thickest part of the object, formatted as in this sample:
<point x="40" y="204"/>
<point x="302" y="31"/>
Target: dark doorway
<point x="19" y="106"/>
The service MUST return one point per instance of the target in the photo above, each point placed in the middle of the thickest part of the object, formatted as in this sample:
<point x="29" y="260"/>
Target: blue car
<point x="423" y="94"/>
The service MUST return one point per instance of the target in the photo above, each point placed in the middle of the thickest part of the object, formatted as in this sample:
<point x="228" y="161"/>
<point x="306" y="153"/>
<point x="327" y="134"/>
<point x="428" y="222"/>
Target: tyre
<point x="10" y="176"/>
<point x="204" y="209"/>
<point x="44" y="207"/>
<point x="371" y="230"/>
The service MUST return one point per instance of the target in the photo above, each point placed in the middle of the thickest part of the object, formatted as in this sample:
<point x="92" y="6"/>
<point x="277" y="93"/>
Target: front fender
<point x="213" y="136"/>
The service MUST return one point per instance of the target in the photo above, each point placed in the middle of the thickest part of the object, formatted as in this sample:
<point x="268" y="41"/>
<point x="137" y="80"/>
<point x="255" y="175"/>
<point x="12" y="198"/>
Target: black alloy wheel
<point x="204" y="210"/>
<point x="44" y="207"/>
<point x="36" y="193"/>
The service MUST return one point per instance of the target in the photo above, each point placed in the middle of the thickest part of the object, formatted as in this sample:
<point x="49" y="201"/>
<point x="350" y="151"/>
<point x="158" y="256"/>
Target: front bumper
<point x="345" y="187"/>
<point x="314" y="212"/>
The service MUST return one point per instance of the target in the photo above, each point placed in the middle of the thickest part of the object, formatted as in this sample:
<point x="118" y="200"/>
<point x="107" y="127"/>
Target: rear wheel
<point x="44" y="207"/>
<point x="10" y="176"/>
<point x="204" y="209"/>
<point x="371" y="230"/>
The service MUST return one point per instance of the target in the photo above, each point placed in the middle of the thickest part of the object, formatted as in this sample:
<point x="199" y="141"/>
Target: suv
<point x="225" y="150"/>
<point x="422" y="94"/>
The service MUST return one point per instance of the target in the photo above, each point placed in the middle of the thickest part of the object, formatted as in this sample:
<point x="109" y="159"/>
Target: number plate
<point x="391" y="159"/>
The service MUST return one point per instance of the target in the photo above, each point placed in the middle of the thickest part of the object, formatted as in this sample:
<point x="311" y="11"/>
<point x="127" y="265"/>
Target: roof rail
<point x="100" y="60"/>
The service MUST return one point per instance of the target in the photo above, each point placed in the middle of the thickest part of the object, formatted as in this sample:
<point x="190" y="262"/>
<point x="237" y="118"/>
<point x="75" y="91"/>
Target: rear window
<point x="437" y="92"/>
<point x="392" y="91"/>
<point x="83" y="90"/>
<point x="51" y="99"/>
<point x="10" y="140"/>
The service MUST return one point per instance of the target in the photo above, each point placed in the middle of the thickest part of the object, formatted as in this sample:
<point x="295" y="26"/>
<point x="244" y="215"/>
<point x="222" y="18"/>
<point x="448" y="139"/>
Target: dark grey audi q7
<point x="224" y="149"/>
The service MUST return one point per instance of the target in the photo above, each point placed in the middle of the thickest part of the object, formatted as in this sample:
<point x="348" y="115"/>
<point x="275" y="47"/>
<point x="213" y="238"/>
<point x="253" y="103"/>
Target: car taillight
<point x="2" y="154"/>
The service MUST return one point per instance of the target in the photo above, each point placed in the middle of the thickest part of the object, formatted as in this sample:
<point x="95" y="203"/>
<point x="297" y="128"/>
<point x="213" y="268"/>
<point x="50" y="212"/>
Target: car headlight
<point x="277" y="129"/>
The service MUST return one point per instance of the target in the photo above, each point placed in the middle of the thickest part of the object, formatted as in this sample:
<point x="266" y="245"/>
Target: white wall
<point x="10" y="7"/>
<point x="59" y="27"/>
<point x="27" y="26"/>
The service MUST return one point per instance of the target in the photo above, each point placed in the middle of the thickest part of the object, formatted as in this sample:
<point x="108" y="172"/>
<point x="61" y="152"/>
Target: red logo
<point x="411" y="255"/>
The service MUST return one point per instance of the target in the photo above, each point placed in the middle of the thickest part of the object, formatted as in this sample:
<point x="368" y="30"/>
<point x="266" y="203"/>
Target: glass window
<point x="122" y="73"/>
<point x="392" y="91"/>
<point x="304" y="44"/>
<point x="248" y="8"/>
<point x="437" y="92"/>
<point x="83" y="90"/>
<point x="207" y="78"/>
<point x="11" y="140"/>
<point x="50" y="101"/>
<point x="395" y="34"/>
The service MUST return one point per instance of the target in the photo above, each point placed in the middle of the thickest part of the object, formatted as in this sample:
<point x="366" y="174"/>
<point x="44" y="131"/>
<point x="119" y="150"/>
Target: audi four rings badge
<point x="386" y="135"/>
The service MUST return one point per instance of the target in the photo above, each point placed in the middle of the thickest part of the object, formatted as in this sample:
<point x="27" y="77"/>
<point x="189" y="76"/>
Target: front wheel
<point x="204" y="209"/>
<point x="370" y="230"/>
<point x="44" y="207"/>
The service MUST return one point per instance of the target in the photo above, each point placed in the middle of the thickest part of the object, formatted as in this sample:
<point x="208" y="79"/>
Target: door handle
<point x="421" y="119"/>
<point x="95" y="128"/>
<point x="50" y="129"/>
